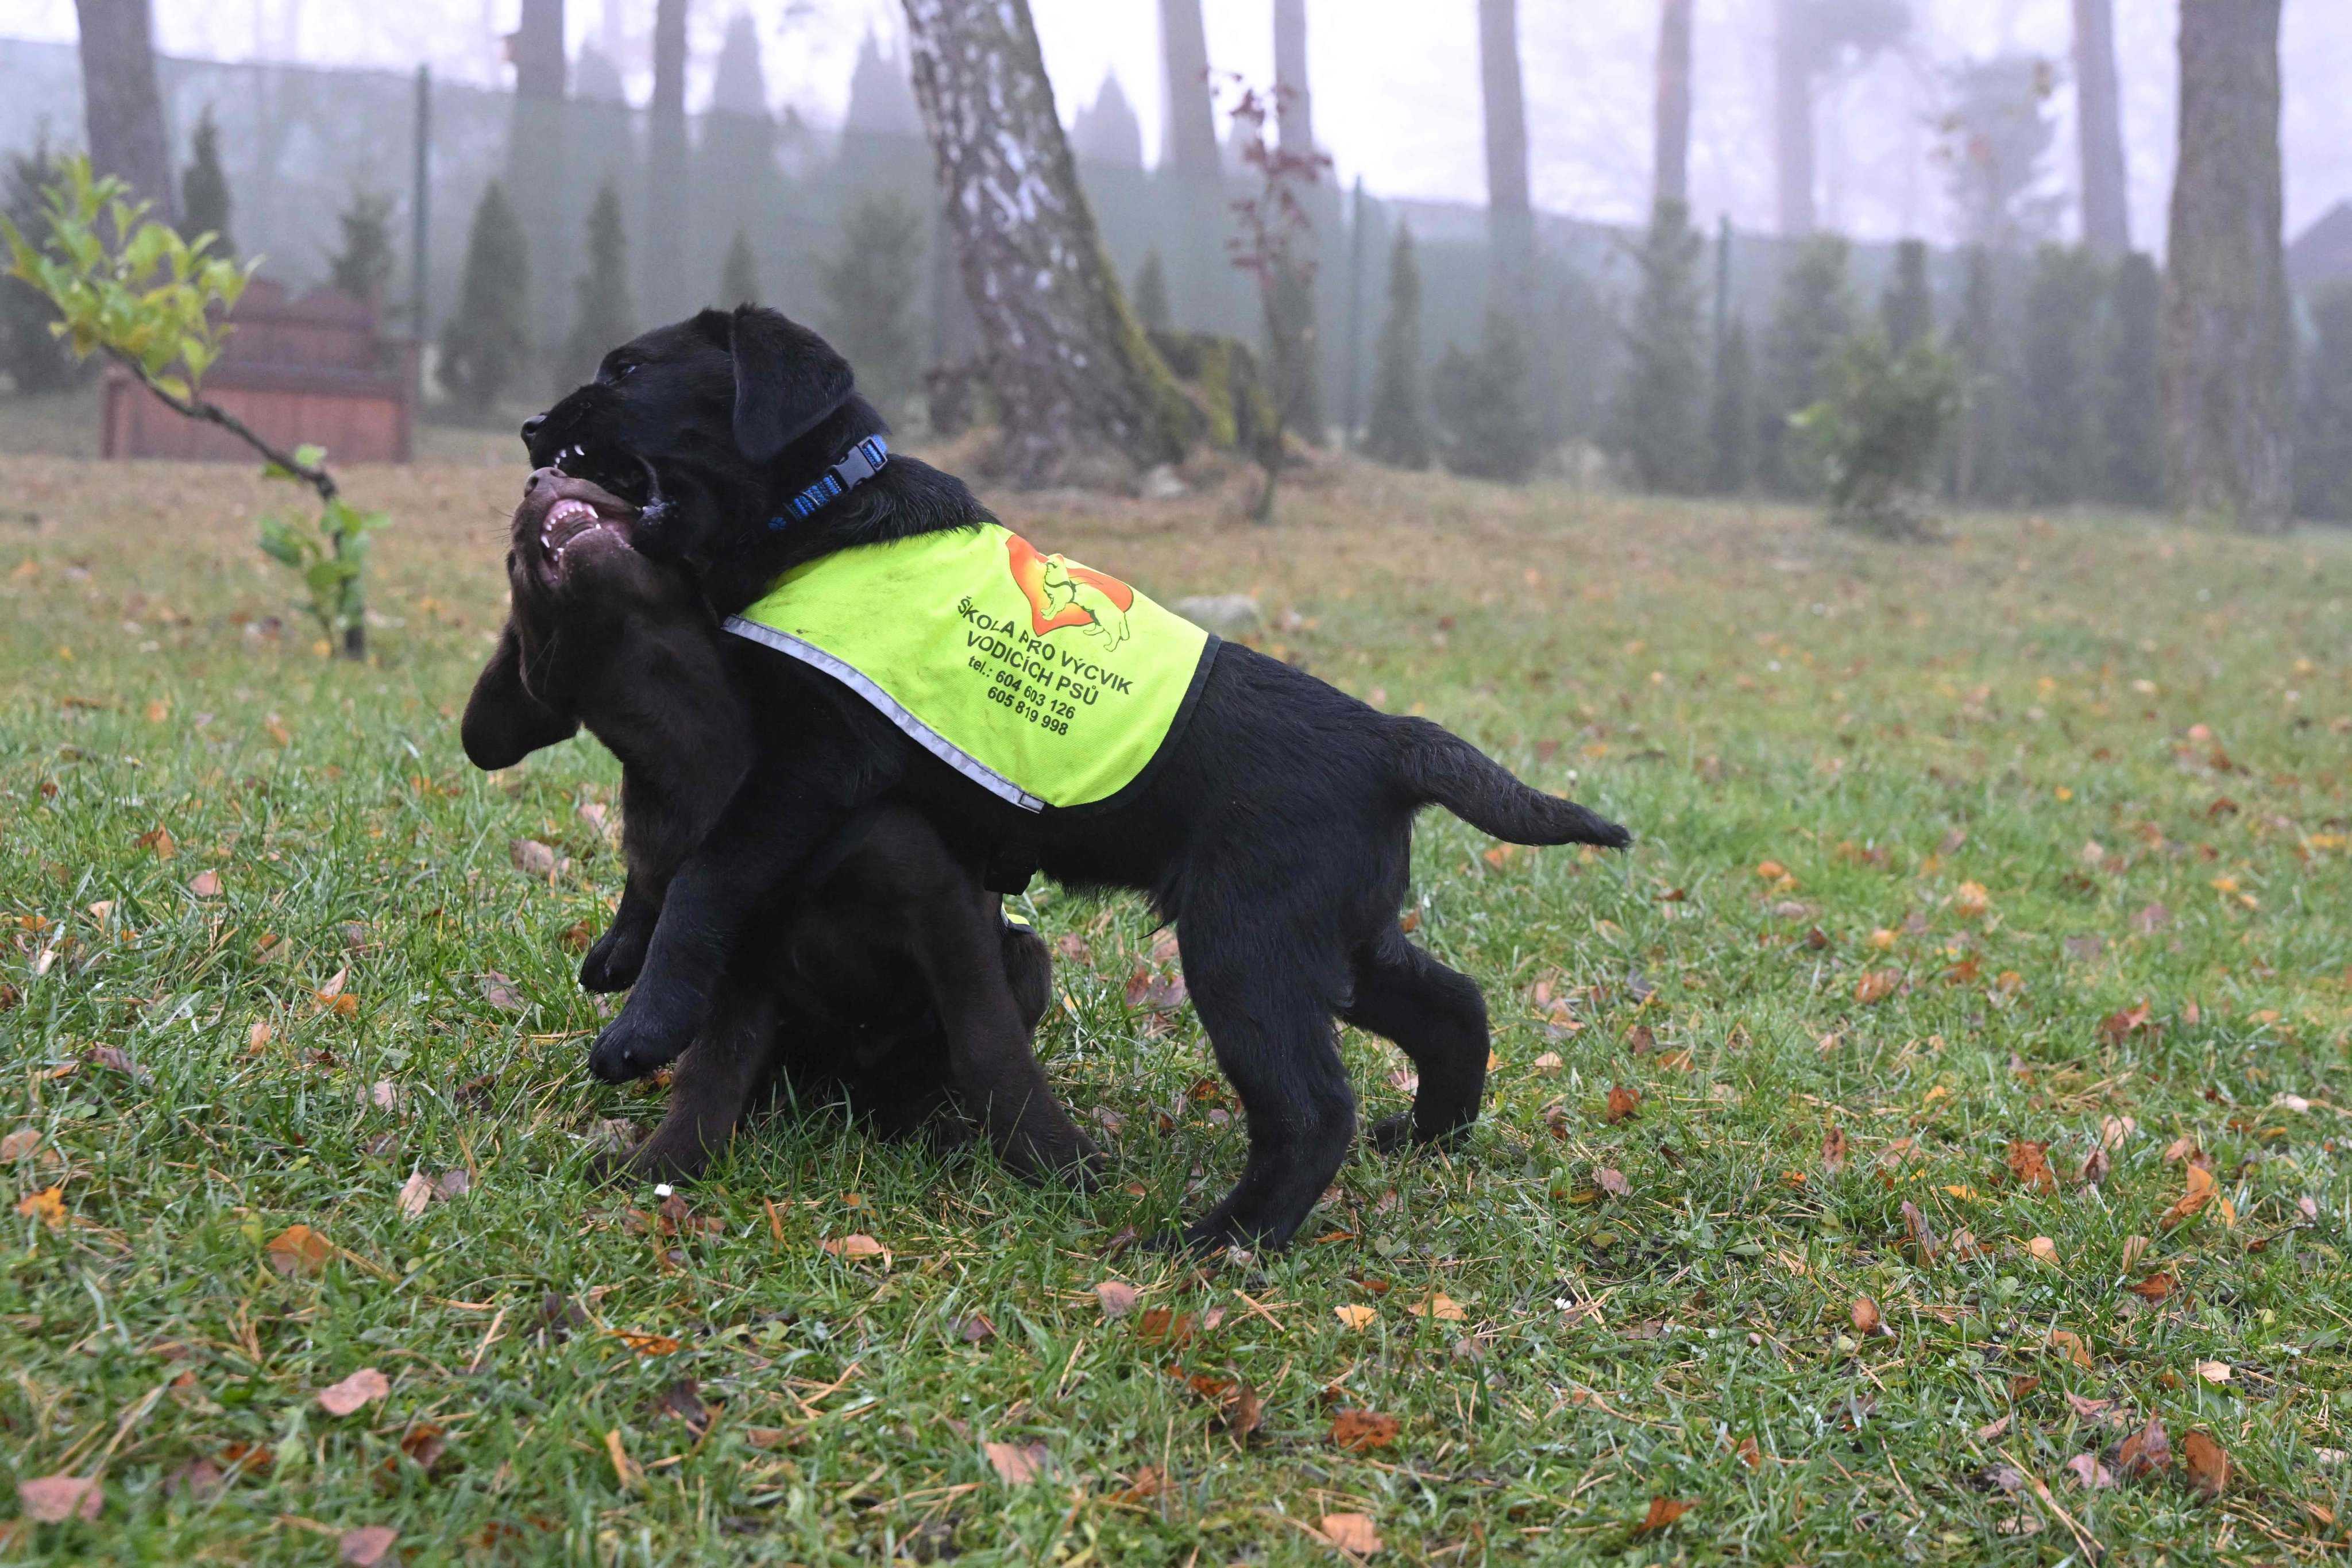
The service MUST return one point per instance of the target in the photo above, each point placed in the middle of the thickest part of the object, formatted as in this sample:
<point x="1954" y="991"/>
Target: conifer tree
<point x="1660" y="422"/>
<point x="738" y="280"/>
<point x="2058" y="434"/>
<point x="2323" y="449"/>
<point x="485" y="342"/>
<point x="37" y="360"/>
<point x="2132" y="406"/>
<point x="1731" y="419"/>
<point x="1977" y="461"/>
<point x="602" y="317"/>
<point x="362" y="266"/>
<point x="1397" y="434"/>
<point x="1152" y="293"/>
<point x="1908" y="309"/>
<point x="203" y="189"/>
<point x="869" y="291"/>
<point x="1813" y="316"/>
<point x="1483" y="405"/>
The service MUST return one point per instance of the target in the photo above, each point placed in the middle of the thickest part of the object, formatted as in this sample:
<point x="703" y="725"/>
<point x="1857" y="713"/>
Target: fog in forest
<point x="1396" y="89"/>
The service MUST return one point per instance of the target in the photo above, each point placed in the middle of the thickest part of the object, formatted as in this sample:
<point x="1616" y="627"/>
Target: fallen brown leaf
<point x="206" y="884"/>
<point x="1876" y="985"/>
<point x="2200" y="1192"/>
<point x="53" y="1500"/>
<point x="365" y="1547"/>
<point x="1117" y="1298"/>
<point x="416" y="1195"/>
<point x="1612" y="1182"/>
<point x="2207" y="1462"/>
<point x="298" y="1249"/>
<point x="858" y="1245"/>
<point x="1662" y="1512"/>
<point x="2030" y="1163"/>
<point x="1018" y="1464"/>
<point x="2089" y="1473"/>
<point x="2145" y="1452"/>
<point x="1833" y="1150"/>
<point x="1751" y="1453"/>
<point x="1623" y="1103"/>
<point x="2155" y="1288"/>
<point x="1356" y="1316"/>
<point x="1922" y="1234"/>
<point x="1360" y="1431"/>
<point x="1865" y="1316"/>
<point x="48" y="1204"/>
<point x="2071" y="1345"/>
<point x="1351" y="1533"/>
<point x="363" y="1387"/>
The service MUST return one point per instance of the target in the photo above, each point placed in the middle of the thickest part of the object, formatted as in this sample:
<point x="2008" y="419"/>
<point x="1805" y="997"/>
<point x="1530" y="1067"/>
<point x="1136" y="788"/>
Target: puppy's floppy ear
<point x="504" y="722"/>
<point x="787" y="379"/>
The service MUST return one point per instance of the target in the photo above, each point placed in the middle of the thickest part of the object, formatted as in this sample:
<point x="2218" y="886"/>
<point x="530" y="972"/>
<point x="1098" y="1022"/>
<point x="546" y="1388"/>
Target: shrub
<point x="1879" y="429"/>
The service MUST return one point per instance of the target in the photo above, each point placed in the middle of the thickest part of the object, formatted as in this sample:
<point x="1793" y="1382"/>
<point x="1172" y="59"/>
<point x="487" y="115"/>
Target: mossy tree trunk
<point x="1070" y="366"/>
<point x="2229" y="411"/>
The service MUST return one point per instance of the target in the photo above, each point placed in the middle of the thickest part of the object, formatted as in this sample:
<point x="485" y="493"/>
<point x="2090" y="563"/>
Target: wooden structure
<point x="296" y="371"/>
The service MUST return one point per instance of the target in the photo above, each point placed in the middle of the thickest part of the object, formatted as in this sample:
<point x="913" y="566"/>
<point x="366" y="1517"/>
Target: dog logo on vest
<point x="1061" y="592"/>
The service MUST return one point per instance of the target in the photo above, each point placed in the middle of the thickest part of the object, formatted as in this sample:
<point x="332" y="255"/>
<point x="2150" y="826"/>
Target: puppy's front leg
<point x="613" y="962"/>
<point x="769" y="829"/>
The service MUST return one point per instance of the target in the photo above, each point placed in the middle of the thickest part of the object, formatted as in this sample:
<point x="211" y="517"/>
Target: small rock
<point x="1227" y="615"/>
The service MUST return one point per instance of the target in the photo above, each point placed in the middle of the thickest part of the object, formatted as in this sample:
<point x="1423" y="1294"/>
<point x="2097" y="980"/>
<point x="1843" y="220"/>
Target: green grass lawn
<point x="1962" y="868"/>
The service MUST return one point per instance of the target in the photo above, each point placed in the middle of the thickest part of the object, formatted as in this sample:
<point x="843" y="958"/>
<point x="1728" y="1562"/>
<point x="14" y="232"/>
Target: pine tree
<point x="2323" y="451"/>
<point x="1290" y="351"/>
<point x="37" y="360"/>
<point x="1975" y="340"/>
<point x="1731" y="420"/>
<point x="738" y="280"/>
<point x="2132" y="405"/>
<point x="363" y="267"/>
<point x="1814" y="315"/>
<point x="1397" y="434"/>
<point x="2058" y="437"/>
<point x="1151" y="294"/>
<point x="1659" y="402"/>
<point x="203" y="189"/>
<point x="1483" y="405"/>
<point x="603" y="317"/>
<point x="1908" y="309"/>
<point x="485" y="342"/>
<point x="869" y="291"/>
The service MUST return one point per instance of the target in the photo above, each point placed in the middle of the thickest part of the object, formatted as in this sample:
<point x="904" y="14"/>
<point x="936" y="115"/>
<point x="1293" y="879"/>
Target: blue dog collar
<point x="864" y="461"/>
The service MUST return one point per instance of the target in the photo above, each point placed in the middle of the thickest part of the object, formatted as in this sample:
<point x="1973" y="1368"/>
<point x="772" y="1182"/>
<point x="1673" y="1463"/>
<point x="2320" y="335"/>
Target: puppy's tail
<point x="1436" y="767"/>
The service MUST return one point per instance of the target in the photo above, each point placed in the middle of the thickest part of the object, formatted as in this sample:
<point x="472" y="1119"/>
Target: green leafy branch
<point x="157" y="304"/>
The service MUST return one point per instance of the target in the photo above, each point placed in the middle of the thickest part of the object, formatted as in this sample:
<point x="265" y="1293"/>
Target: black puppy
<point x="1274" y="826"/>
<point x="889" y="975"/>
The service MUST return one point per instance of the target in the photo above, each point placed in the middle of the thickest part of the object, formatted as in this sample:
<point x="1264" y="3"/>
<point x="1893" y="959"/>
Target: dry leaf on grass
<point x="1018" y="1464"/>
<point x="2043" y="1249"/>
<point x="1664" y="1511"/>
<point x="626" y="1470"/>
<point x="416" y="1195"/>
<point x="1549" y="1063"/>
<point x="2145" y="1452"/>
<point x="2073" y="1346"/>
<point x="1833" y="1151"/>
<point x="19" y="1143"/>
<point x="1165" y="1326"/>
<point x="363" y="1387"/>
<point x="647" y="1344"/>
<point x="1351" y="1533"/>
<point x="298" y="1249"/>
<point x="533" y="859"/>
<point x="1751" y="1453"/>
<point x="1623" y="1103"/>
<point x="1356" y="1316"/>
<point x="2215" y="1371"/>
<point x="206" y="884"/>
<point x="2207" y="1462"/>
<point x="859" y="1245"/>
<point x="53" y="1500"/>
<point x="2030" y="1163"/>
<point x="48" y="1205"/>
<point x="1876" y="985"/>
<point x="2155" y="1288"/>
<point x="1117" y="1299"/>
<point x="365" y="1547"/>
<point x="1612" y="1182"/>
<point x="1865" y="1316"/>
<point x="2201" y="1191"/>
<point x="2091" y="1474"/>
<point x="1360" y="1431"/>
<point x="1438" y="1308"/>
<point x="1922" y="1234"/>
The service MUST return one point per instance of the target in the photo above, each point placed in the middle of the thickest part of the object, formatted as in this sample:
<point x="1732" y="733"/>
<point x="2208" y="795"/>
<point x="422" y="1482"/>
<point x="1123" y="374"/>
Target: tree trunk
<point x="2106" y="202"/>
<point x="537" y="50"/>
<point x="123" y="109"/>
<point x="1674" y="106"/>
<point x="1067" y="360"/>
<point x="1190" y="146"/>
<point x="1294" y="103"/>
<point x="666" y="291"/>
<point x="1793" y="111"/>
<point x="1511" y="222"/>
<point x="2227" y="394"/>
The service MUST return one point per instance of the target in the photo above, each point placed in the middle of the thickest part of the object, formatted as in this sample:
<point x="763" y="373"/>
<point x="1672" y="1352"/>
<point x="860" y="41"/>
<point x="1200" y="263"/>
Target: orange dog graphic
<point x="1061" y="592"/>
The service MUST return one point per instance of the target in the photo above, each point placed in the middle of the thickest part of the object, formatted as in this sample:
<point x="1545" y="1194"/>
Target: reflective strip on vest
<point x="1042" y="680"/>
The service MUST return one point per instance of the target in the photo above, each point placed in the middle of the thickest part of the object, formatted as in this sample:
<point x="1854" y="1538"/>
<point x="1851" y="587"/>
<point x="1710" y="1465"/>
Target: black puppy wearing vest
<point x="888" y="976"/>
<point x="1273" y="826"/>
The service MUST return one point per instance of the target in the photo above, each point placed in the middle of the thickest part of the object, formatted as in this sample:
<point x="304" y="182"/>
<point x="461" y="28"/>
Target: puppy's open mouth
<point x="572" y="520"/>
<point x="562" y="517"/>
<point x="607" y="467"/>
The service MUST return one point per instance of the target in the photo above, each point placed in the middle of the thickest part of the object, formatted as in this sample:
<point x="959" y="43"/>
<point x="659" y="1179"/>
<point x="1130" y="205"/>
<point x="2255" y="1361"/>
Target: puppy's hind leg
<point x="1272" y="1033"/>
<point x="1435" y="1017"/>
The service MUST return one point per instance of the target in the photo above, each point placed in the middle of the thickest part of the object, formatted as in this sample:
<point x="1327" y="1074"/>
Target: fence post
<point x="420" y="209"/>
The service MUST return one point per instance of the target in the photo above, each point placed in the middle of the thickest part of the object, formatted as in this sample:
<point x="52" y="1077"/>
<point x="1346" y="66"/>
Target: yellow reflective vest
<point x="1045" y="682"/>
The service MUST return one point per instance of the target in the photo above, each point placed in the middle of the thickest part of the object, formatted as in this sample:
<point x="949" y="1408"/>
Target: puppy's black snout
<point x="531" y="425"/>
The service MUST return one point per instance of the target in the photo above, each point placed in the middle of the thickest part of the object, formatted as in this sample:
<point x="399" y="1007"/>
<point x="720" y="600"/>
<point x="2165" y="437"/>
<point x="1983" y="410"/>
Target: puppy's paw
<point x="1392" y="1134"/>
<point x="613" y="962"/>
<point x="633" y="1046"/>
